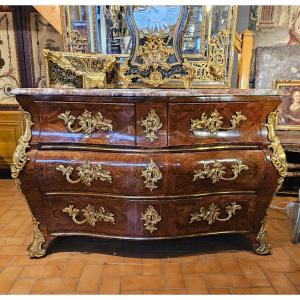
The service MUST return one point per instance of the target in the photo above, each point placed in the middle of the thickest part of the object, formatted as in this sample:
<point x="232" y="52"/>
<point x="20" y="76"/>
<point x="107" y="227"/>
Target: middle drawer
<point x="151" y="174"/>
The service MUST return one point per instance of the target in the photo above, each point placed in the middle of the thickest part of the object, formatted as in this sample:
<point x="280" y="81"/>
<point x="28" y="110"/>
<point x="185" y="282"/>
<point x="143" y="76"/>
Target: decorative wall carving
<point x="43" y="36"/>
<point x="9" y="64"/>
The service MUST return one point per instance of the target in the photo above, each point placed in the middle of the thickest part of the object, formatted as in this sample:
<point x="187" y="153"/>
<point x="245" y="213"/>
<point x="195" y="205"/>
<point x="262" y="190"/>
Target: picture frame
<point x="288" y="117"/>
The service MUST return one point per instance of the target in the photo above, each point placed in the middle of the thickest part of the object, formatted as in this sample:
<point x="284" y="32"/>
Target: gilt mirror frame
<point x="213" y="64"/>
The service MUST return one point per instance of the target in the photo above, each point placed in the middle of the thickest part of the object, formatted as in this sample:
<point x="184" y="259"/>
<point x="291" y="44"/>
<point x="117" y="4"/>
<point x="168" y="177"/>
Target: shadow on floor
<point x="152" y="249"/>
<point x="5" y="174"/>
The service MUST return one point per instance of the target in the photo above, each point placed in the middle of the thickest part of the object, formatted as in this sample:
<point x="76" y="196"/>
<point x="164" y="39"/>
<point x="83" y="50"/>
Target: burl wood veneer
<point x="148" y="164"/>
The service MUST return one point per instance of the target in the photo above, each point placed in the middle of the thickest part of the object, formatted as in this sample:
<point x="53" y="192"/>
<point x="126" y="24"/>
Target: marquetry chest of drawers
<point x="148" y="164"/>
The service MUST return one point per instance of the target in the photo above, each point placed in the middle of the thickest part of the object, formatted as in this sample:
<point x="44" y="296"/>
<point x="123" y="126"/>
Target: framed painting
<point x="288" y="117"/>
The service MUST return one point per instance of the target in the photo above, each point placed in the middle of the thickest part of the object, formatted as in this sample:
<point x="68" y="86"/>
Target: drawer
<point x="216" y="172"/>
<point x="213" y="214"/>
<point x="88" y="214"/>
<point x="87" y="123"/>
<point x="151" y="174"/>
<point x="102" y="172"/>
<point x="226" y="123"/>
<point x="148" y="219"/>
<point x="151" y="119"/>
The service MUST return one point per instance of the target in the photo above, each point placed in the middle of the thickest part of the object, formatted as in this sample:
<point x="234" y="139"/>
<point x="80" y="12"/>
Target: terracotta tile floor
<point x="83" y="265"/>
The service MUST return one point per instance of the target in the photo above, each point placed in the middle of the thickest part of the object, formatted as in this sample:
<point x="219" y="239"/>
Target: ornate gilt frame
<point x="229" y="31"/>
<point x="222" y="71"/>
<point x="203" y="31"/>
<point x="277" y="84"/>
<point x="64" y="18"/>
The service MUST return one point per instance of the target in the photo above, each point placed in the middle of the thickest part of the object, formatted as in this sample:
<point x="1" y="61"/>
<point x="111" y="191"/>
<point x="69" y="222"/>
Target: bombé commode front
<point x="148" y="164"/>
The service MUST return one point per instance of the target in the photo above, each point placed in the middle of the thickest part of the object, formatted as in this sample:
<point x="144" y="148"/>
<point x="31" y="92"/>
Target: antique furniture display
<point x="148" y="164"/>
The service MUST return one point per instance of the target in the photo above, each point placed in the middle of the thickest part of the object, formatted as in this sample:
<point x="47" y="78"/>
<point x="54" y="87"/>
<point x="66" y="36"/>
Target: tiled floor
<point x="82" y="265"/>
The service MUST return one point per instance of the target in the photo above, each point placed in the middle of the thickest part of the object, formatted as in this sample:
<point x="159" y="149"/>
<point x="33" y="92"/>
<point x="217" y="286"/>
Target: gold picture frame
<point x="286" y="116"/>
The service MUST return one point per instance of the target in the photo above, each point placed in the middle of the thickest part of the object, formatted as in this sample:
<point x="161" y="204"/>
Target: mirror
<point x="207" y="43"/>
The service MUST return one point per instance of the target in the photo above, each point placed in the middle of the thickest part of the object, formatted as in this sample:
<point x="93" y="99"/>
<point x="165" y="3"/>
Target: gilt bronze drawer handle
<point x="87" y="173"/>
<point x="88" y="123"/>
<point x="213" y="212"/>
<point x="151" y="218"/>
<point x="152" y="175"/>
<point x="90" y="214"/>
<point x="214" y="122"/>
<point x="216" y="171"/>
<point x="152" y="124"/>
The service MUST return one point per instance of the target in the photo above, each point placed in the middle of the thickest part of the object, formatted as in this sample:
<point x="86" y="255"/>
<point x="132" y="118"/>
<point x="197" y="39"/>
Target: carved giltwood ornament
<point x="213" y="212"/>
<point x="214" y="122"/>
<point x="278" y="157"/>
<point x="87" y="173"/>
<point x="19" y="156"/>
<point x="91" y="215"/>
<point x="152" y="175"/>
<point x="265" y="247"/>
<point x="79" y="70"/>
<point x="214" y="68"/>
<point x="87" y="123"/>
<point x="35" y="249"/>
<point x="155" y="55"/>
<point x="152" y="124"/>
<point x="79" y="42"/>
<point x="151" y="218"/>
<point x="216" y="171"/>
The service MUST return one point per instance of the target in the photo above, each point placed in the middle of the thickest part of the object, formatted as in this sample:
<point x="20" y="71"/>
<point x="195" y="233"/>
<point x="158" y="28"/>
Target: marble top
<point x="143" y="92"/>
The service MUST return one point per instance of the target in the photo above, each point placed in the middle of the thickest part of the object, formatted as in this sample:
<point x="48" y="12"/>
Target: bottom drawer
<point x="149" y="219"/>
<point x="215" y="214"/>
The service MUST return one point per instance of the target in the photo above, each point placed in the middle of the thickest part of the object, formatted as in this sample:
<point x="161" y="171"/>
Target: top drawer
<point x="209" y="123"/>
<point x="95" y="123"/>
